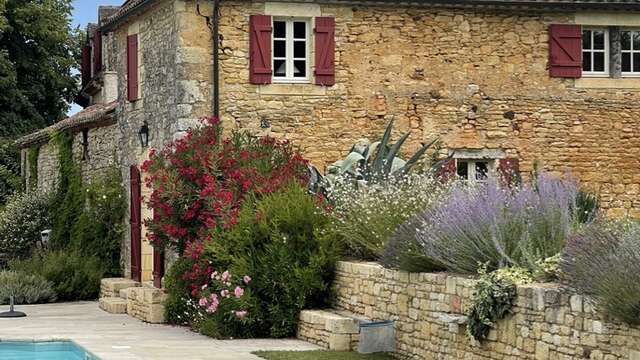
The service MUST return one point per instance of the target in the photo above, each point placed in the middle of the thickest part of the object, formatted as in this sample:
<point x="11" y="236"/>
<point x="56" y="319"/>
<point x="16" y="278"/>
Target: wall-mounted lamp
<point x="143" y="133"/>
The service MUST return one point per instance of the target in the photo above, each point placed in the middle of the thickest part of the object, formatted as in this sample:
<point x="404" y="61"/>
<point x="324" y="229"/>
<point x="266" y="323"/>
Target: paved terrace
<point x="120" y="337"/>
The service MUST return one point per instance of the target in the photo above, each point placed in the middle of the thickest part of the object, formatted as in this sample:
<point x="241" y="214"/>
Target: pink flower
<point x="241" y="314"/>
<point x="214" y="299"/>
<point x="226" y="276"/>
<point x="238" y="292"/>
<point x="204" y="286"/>
<point x="246" y="279"/>
<point x="224" y="293"/>
<point x="214" y="275"/>
<point x="213" y="308"/>
<point x="203" y="302"/>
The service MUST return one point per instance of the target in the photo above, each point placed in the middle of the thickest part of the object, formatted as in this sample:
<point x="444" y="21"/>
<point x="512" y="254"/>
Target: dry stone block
<point x="113" y="305"/>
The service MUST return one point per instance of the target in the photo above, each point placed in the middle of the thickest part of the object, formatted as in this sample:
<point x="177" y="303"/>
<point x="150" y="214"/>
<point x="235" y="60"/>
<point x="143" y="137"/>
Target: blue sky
<point x="84" y="12"/>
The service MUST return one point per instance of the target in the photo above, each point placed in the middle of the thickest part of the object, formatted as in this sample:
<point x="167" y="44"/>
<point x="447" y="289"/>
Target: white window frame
<point x="471" y="168"/>
<point x="606" y="51"/>
<point x="631" y="52"/>
<point x="289" y="59"/>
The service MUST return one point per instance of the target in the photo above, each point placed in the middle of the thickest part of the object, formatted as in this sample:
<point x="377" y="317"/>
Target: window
<point x="595" y="52"/>
<point x="290" y="39"/>
<point x="630" y="45"/>
<point x="85" y="144"/>
<point x="473" y="170"/>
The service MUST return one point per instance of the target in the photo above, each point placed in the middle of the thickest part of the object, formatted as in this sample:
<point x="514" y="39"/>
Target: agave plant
<point x="369" y="162"/>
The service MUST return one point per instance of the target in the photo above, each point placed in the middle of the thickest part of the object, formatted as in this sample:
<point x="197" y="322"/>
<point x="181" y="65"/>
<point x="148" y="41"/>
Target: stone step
<point x="330" y="329"/>
<point x="146" y="304"/>
<point x="110" y="287"/>
<point x="113" y="305"/>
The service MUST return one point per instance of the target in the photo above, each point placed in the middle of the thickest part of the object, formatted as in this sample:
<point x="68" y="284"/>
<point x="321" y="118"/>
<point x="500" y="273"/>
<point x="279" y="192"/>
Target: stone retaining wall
<point x="329" y="330"/>
<point x="548" y="322"/>
<point x="146" y="304"/>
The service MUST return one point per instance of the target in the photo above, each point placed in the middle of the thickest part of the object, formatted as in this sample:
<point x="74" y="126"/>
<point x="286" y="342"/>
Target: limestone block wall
<point x="146" y="304"/>
<point x="47" y="167"/>
<point x="476" y="78"/>
<point x="548" y="322"/>
<point x="101" y="152"/>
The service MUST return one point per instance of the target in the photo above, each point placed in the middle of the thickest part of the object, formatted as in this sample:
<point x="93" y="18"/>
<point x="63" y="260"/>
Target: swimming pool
<point x="52" y="350"/>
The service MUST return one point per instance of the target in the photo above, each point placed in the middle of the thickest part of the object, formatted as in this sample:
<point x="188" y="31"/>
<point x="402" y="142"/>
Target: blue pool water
<point x="58" y="350"/>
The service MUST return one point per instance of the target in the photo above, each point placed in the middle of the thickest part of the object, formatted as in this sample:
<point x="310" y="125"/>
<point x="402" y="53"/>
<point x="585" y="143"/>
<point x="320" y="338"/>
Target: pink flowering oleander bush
<point x="222" y="305"/>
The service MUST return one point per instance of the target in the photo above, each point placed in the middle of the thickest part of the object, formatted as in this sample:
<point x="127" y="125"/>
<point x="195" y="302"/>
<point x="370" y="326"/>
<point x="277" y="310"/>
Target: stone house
<point x="548" y="85"/>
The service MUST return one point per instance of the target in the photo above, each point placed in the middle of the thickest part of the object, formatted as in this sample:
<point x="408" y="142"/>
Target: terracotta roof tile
<point x="93" y="116"/>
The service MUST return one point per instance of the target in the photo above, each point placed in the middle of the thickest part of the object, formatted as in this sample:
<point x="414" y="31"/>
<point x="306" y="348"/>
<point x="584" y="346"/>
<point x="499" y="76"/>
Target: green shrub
<point x="279" y="243"/>
<point x="365" y="217"/>
<point x="10" y="181"/>
<point x="493" y="298"/>
<point x="99" y="230"/>
<point x="178" y="310"/>
<point x="21" y="223"/>
<point x="74" y="276"/>
<point x="26" y="289"/>
<point x="603" y="261"/>
<point x="68" y="200"/>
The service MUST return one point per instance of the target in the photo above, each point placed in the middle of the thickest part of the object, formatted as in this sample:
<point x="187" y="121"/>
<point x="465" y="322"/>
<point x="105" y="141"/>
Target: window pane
<point x="300" y="68"/>
<point x="598" y="61"/>
<point x="598" y="40"/>
<point x="626" y="62"/>
<point x="279" y="29"/>
<point x="280" y="67"/>
<point x="625" y="39"/>
<point x="462" y="171"/>
<point x="279" y="48"/>
<point x="586" y="61"/>
<point x="299" y="49"/>
<point x="636" y="41"/>
<point x="636" y="62"/>
<point x="482" y="170"/>
<point x="299" y="30"/>
<point x="586" y="39"/>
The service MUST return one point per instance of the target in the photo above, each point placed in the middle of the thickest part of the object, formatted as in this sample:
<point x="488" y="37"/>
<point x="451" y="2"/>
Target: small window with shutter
<point x="280" y="50"/>
<point x="595" y="52"/>
<point x="290" y="44"/>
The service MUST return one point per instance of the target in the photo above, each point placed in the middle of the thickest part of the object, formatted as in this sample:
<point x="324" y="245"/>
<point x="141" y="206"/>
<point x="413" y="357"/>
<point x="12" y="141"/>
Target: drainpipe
<point x="214" y="26"/>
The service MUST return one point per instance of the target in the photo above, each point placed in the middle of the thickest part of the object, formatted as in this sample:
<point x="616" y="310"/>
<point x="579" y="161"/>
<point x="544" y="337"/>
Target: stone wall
<point x="548" y="322"/>
<point x="157" y="103"/>
<point x="101" y="152"/>
<point x="48" y="168"/>
<point x="478" y="79"/>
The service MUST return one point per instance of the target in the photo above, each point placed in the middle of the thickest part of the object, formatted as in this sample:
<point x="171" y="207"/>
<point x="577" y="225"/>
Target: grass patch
<point x="319" y="355"/>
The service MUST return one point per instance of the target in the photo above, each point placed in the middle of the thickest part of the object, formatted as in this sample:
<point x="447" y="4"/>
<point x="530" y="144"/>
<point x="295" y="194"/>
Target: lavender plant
<point x="487" y="224"/>
<point x="603" y="261"/>
<point x="366" y="216"/>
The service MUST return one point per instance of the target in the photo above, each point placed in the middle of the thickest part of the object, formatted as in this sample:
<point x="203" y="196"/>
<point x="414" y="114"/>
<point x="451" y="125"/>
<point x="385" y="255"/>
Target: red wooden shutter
<point x="135" y="222"/>
<point x="85" y="68"/>
<point x="565" y="51"/>
<point x="325" y="51"/>
<point x="509" y="171"/>
<point x="447" y="170"/>
<point x="97" y="52"/>
<point x="132" y="67"/>
<point x="260" y="49"/>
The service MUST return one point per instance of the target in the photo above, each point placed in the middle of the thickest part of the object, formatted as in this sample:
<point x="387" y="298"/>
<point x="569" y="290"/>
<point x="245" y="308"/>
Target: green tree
<point x="38" y="51"/>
